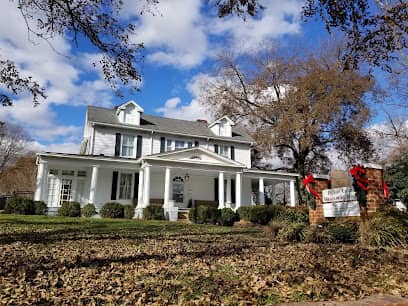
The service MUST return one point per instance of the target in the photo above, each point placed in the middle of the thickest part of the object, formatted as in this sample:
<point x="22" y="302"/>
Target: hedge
<point x="112" y="210"/>
<point x="153" y="212"/>
<point x="70" y="209"/>
<point x="88" y="210"/>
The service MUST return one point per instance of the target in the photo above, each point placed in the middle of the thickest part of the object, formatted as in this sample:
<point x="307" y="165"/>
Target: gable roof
<point x="130" y="102"/>
<point x="228" y="119"/>
<point x="194" y="155"/>
<point x="165" y="125"/>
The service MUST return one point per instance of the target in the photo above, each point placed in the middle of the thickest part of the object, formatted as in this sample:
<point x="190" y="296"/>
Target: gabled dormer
<point x="129" y="113"/>
<point x="222" y="126"/>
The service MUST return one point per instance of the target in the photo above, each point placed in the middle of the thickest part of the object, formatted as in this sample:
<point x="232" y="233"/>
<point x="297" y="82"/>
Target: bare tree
<point x="13" y="140"/>
<point x="304" y="105"/>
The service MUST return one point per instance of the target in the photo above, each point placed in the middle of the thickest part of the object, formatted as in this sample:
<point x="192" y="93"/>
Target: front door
<point x="178" y="191"/>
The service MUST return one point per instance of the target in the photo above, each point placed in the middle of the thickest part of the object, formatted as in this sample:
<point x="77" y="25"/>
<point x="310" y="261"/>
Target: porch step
<point x="183" y="215"/>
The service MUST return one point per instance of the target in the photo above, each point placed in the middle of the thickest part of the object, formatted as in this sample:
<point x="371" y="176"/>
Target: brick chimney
<point x="202" y="121"/>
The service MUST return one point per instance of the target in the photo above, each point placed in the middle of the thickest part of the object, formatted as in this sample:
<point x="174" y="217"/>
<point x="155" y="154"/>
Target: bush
<point x="20" y="206"/>
<point x="40" y="208"/>
<point x="227" y="217"/>
<point x="204" y="214"/>
<point x="260" y="214"/>
<point x="290" y="214"/>
<point x="129" y="211"/>
<point x="316" y="234"/>
<point x="383" y="230"/>
<point x="70" y="209"/>
<point x="292" y="232"/>
<point x="112" y="210"/>
<point x="153" y="212"/>
<point x="244" y="213"/>
<point x="88" y="210"/>
<point x="342" y="232"/>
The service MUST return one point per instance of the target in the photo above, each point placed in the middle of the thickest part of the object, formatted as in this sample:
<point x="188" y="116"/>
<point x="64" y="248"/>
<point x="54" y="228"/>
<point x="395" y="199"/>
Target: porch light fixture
<point x="186" y="177"/>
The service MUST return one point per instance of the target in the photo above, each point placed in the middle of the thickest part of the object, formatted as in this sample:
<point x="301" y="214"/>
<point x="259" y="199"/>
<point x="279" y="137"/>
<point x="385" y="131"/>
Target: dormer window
<point x="129" y="113"/>
<point x="222" y="127"/>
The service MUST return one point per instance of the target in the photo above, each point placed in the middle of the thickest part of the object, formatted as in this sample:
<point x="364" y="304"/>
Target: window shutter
<point x="232" y="152"/>
<point x="114" y="185"/>
<point x="117" y="144"/>
<point x="136" y="186"/>
<point x="196" y="144"/>
<point x="216" y="189"/>
<point x="232" y="190"/>
<point x="162" y="144"/>
<point x="216" y="148"/>
<point x="139" y="146"/>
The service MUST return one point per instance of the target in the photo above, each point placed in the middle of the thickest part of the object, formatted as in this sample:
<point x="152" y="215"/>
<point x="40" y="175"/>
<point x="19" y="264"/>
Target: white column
<point x="146" y="192"/>
<point x="261" y="193"/>
<point x="238" y="184"/>
<point x="41" y="177"/>
<point x="228" y="192"/>
<point x="167" y="176"/>
<point x="94" y="182"/>
<point x="221" y="203"/>
<point x="140" y="189"/>
<point x="292" y="193"/>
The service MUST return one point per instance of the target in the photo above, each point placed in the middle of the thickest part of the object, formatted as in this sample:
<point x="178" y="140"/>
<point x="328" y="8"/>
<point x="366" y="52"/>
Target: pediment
<point x="195" y="155"/>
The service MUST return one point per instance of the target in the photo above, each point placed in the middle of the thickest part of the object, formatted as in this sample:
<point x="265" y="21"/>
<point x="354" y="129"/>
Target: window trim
<point x="131" y="185"/>
<point x="133" y="147"/>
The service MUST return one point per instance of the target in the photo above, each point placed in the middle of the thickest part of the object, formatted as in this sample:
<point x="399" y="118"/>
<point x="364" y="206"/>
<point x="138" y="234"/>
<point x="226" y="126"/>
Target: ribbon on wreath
<point x="356" y="172"/>
<point x="310" y="180"/>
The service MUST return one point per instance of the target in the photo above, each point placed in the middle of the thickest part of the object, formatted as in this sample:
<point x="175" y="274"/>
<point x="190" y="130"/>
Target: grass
<point x="59" y="260"/>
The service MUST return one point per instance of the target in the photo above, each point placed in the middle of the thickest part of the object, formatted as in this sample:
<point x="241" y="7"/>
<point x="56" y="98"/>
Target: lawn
<point x="56" y="260"/>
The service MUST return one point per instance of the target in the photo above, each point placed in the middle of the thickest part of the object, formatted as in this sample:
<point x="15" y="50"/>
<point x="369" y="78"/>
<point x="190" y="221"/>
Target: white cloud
<point x="64" y="147"/>
<point x="184" y="33"/>
<point x="174" y="109"/>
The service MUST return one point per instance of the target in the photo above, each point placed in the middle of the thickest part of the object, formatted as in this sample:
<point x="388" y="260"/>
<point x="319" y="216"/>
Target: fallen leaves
<point x="191" y="267"/>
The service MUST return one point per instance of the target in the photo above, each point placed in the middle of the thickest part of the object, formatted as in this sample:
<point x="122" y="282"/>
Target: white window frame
<point x="128" y="146"/>
<point x="223" y="150"/>
<point x="131" y="185"/>
<point x="179" y="142"/>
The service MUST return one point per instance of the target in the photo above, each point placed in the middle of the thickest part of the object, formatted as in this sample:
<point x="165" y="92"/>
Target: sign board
<point x="340" y="202"/>
<point x="341" y="209"/>
<point x="343" y="194"/>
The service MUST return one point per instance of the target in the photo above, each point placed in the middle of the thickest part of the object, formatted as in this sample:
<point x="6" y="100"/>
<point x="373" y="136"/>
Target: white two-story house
<point x="130" y="157"/>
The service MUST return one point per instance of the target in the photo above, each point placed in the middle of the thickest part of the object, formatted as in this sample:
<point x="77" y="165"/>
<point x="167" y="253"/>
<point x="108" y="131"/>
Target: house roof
<point x="165" y="125"/>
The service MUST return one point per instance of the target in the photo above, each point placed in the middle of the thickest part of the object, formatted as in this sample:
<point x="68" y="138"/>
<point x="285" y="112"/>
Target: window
<point x="66" y="190"/>
<point x="128" y="143"/>
<point x="223" y="150"/>
<point x="81" y="173"/>
<point x="180" y="144"/>
<point x="53" y="189"/>
<point x="68" y="172"/>
<point x="125" y="186"/>
<point x="178" y="189"/>
<point x="190" y="144"/>
<point x="169" y="145"/>
<point x="54" y="171"/>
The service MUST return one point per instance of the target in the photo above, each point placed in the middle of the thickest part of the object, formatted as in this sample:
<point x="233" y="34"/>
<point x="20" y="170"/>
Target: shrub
<point x="227" y="217"/>
<point x="342" y="232"/>
<point x="204" y="214"/>
<point x="290" y="214"/>
<point x="260" y="214"/>
<point x="275" y="227"/>
<point x="244" y="212"/>
<point x="88" y="210"/>
<point x="316" y="234"/>
<point x="70" y="209"/>
<point x="40" y="208"/>
<point x="129" y="212"/>
<point x="292" y="232"/>
<point x="20" y="206"/>
<point x="112" y="210"/>
<point x="383" y="231"/>
<point x="153" y="212"/>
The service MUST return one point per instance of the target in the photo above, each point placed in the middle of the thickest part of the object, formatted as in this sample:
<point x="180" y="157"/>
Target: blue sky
<point x="181" y="40"/>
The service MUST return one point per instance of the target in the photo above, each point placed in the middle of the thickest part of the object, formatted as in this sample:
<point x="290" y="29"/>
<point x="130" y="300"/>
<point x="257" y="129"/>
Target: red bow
<point x="310" y="180"/>
<point x="386" y="191"/>
<point x="356" y="172"/>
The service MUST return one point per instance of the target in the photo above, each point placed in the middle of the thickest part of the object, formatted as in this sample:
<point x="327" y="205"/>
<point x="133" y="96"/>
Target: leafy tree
<point x="304" y="105"/>
<point x="396" y="176"/>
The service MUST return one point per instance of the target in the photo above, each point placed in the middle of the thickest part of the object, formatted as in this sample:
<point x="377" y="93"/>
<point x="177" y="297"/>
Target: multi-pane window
<point x="66" y="190"/>
<point x="223" y="150"/>
<point x="180" y="144"/>
<point x="128" y="143"/>
<point x="169" y="146"/>
<point x="53" y="190"/>
<point x="125" y="186"/>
